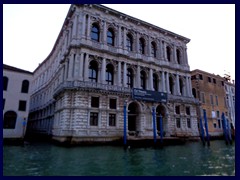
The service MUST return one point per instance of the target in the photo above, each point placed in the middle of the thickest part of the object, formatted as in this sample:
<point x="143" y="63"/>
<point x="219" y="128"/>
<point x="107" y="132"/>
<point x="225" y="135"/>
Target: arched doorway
<point x="10" y="118"/>
<point x="161" y="111"/>
<point x="133" y="114"/>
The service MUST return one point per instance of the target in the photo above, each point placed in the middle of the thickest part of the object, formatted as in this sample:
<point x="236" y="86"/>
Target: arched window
<point x="110" y="37"/>
<point x="25" y="86"/>
<point x="178" y="56"/>
<point x="168" y="53"/>
<point x="109" y="74"/>
<point x="93" y="71"/>
<point x="9" y="121"/>
<point x="153" y="49"/>
<point x="129" y="78"/>
<point x="129" y="42"/>
<point x="95" y="32"/>
<point x="141" y="46"/>
<point x="155" y="82"/>
<point x="5" y="83"/>
<point x="171" y="84"/>
<point x="143" y="79"/>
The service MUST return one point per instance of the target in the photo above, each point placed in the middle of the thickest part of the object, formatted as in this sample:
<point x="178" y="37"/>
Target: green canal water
<point x="191" y="159"/>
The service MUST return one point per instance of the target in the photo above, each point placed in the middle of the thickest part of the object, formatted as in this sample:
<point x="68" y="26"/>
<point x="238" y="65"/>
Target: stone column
<point x="103" y="71"/>
<point x="81" y="67"/>
<point x="119" y="37"/>
<point x="163" y="82"/>
<point x="119" y="73"/>
<point x="104" y="32"/>
<point x="150" y="80"/>
<point x="138" y="77"/>
<point x="149" y="47"/>
<point x="178" y="85"/>
<point x="174" y="54"/>
<point x="74" y="34"/>
<point x="124" y="38"/>
<point x="76" y="66"/>
<point x="190" y="86"/>
<point x="186" y="86"/>
<point x="66" y="69"/>
<point x="70" y="67"/>
<point x="167" y="81"/>
<point x="186" y="56"/>
<point x="137" y="44"/>
<point x="89" y="27"/>
<point x="86" y="65"/>
<point x="160" y="49"/>
<point x="83" y="24"/>
<point x="125" y="74"/>
<point x="165" y="51"/>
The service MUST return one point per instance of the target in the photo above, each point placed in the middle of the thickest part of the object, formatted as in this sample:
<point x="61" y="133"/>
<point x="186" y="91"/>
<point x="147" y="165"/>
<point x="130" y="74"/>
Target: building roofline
<point x="15" y="69"/>
<point x="72" y="9"/>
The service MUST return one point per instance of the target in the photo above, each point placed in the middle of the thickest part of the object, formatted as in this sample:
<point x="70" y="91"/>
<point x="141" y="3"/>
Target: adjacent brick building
<point x="210" y="90"/>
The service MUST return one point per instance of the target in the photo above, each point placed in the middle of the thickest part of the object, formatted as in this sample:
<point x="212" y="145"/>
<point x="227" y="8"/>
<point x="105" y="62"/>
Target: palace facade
<point x="99" y="57"/>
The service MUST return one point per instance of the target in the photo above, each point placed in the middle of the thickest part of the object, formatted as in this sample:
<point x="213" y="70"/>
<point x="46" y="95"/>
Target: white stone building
<point x="16" y="95"/>
<point x="100" y="55"/>
<point x="230" y="101"/>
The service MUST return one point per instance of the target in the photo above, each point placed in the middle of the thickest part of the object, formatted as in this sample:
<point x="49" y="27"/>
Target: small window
<point x="112" y="119"/>
<point x="129" y="78"/>
<point x="153" y="49"/>
<point x="178" y="122"/>
<point x="200" y="77"/>
<point x="93" y="71"/>
<point x="209" y="79"/>
<point x="188" y="122"/>
<point x="211" y="99"/>
<point x="22" y="105"/>
<point x="193" y="77"/>
<point x="143" y="79"/>
<point x="95" y="102"/>
<point x="129" y="43"/>
<point x="25" y="86"/>
<point x="215" y="125"/>
<point x="112" y="103"/>
<point x="177" y="109"/>
<point x="168" y="53"/>
<point x="188" y="110"/>
<point x="5" y="83"/>
<point x="203" y="97"/>
<point x="141" y="46"/>
<point x="216" y="100"/>
<point x="214" y="81"/>
<point x="219" y="123"/>
<point x="93" y="119"/>
<point x="3" y="103"/>
<point x="218" y="114"/>
<point x="222" y="83"/>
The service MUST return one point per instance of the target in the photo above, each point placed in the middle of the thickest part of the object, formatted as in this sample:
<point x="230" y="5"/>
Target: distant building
<point x="100" y="58"/>
<point x="230" y="98"/>
<point x="210" y="90"/>
<point x="16" y="95"/>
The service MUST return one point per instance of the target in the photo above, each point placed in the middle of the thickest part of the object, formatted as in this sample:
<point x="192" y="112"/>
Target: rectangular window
<point x="112" y="119"/>
<point x="188" y="122"/>
<point x="177" y="109"/>
<point x="93" y="119"/>
<point x="214" y="81"/>
<point x="214" y="125"/>
<point x="188" y="110"/>
<point x="211" y="99"/>
<point x="202" y="97"/>
<point x="200" y="77"/>
<point x="218" y="114"/>
<point x="219" y="123"/>
<point x="209" y="79"/>
<point x="222" y="83"/>
<point x="112" y="103"/>
<point x="216" y="100"/>
<point x="193" y="77"/>
<point x="178" y="122"/>
<point x="22" y="105"/>
<point x="95" y="102"/>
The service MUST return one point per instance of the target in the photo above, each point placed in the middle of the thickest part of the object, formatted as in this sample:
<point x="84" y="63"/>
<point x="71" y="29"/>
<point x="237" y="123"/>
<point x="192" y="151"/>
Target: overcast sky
<point x="30" y="31"/>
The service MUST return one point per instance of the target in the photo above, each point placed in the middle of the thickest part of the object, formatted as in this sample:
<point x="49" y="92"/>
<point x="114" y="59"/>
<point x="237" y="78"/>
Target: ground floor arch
<point x="161" y="111"/>
<point x="133" y="118"/>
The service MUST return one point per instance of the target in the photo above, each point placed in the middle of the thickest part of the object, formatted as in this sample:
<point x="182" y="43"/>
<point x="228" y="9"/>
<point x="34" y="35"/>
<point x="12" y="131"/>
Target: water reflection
<point x="191" y="159"/>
